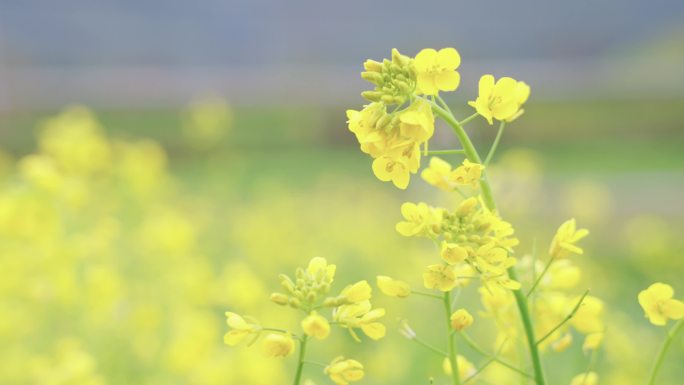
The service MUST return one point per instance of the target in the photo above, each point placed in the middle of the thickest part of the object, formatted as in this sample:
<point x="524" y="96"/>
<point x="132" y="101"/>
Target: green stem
<point x="468" y="119"/>
<point x="300" y="360"/>
<point x="482" y="352"/>
<point x="426" y="294"/>
<point x="538" y="279"/>
<point x="428" y="346"/>
<point x="520" y="299"/>
<point x="495" y="145"/>
<point x="452" y="346"/>
<point x="663" y="350"/>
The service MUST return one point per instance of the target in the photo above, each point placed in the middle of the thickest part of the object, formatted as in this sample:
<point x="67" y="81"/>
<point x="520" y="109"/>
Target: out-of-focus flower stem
<point x="520" y="299"/>
<point x="452" y="346"/>
<point x="300" y="360"/>
<point x="663" y="350"/>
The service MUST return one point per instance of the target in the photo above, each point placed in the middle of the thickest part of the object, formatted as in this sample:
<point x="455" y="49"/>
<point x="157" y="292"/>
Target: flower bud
<point x="373" y="77"/>
<point x="279" y="345"/>
<point x="461" y="319"/>
<point x="466" y="207"/>
<point x="280" y="299"/>
<point x="372" y="65"/>
<point x="373" y="96"/>
<point x="316" y="326"/>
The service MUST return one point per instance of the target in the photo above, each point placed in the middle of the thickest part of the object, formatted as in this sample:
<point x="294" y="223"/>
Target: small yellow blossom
<point x="417" y="122"/>
<point x="360" y="315"/>
<point x="358" y="292"/>
<point x="319" y="267"/>
<point x="440" y="277"/>
<point x="659" y="305"/>
<point x="388" y="169"/>
<point x="343" y="371"/>
<point x="589" y="378"/>
<point x="436" y="70"/>
<point x="393" y="287"/>
<point x="240" y="329"/>
<point x="420" y="220"/>
<point x="468" y="173"/>
<point x="452" y="253"/>
<point x="466" y="207"/>
<point x="500" y="99"/>
<point x="316" y="326"/>
<point x="279" y="345"/>
<point x="466" y="369"/>
<point x="564" y="242"/>
<point x="592" y="341"/>
<point x="461" y="319"/>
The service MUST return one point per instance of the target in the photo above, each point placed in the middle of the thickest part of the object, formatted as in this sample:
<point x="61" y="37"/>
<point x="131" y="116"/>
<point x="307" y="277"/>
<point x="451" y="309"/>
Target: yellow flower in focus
<point x="342" y="371"/>
<point x="588" y="317"/>
<point x="461" y="319"/>
<point x="240" y="329"/>
<point x="440" y="277"/>
<point x="659" y="305"/>
<point x="392" y="287"/>
<point x="421" y="220"/>
<point x="358" y="292"/>
<point x="279" y="345"/>
<point x="564" y="242"/>
<point x="388" y="169"/>
<point x="452" y="253"/>
<point x="592" y="341"/>
<point x="417" y="122"/>
<point x="468" y="173"/>
<point x="589" y="378"/>
<point x="316" y="325"/>
<point x="466" y="369"/>
<point x="360" y="315"/>
<point x="500" y="99"/>
<point x="436" y="70"/>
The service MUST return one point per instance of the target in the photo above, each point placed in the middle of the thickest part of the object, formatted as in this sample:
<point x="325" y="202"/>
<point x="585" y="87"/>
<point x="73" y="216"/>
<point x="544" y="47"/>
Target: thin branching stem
<point x="566" y="319"/>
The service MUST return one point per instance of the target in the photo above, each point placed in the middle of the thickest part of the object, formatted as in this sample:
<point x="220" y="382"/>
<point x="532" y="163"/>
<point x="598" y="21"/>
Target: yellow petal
<point x="447" y="81"/>
<point x="448" y="58"/>
<point x="425" y="59"/>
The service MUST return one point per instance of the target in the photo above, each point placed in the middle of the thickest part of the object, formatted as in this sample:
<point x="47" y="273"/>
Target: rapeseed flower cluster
<point x="308" y="293"/>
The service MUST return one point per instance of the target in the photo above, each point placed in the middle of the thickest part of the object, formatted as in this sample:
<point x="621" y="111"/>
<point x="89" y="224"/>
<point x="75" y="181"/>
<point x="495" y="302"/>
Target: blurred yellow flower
<point x="279" y="345"/>
<point x="436" y="70"/>
<point x="468" y="173"/>
<point x="319" y="269"/>
<point x="440" y="277"/>
<point x="461" y="319"/>
<point x="343" y="371"/>
<point x="360" y="315"/>
<point x="564" y="242"/>
<point x="659" y="305"/>
<point x="440" y="174"/>
<point x="500" y="100"/>
<point x="316" y="326"/>
<point x="452" y="253"/>
<point x="466" y="369"/>
<point x="588" y="318"/>
<point x="588" y="378"/>
<point x="358" y="292"/>
<point x="240" y="329"/>
<point x="392" y="287"/>
<point x="592" y="341"/>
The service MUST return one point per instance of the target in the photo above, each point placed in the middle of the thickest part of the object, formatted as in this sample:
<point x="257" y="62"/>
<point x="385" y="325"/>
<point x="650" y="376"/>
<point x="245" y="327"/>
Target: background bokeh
<point x="215" y="155"/>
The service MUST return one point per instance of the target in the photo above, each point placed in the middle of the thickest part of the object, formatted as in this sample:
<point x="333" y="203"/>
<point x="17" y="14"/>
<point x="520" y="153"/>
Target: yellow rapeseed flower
<point x="393" y="287"/>
<point x="436" y="70"/>
<point x="343" y="371"/>
<point x="592" y="341"/>
<point x="360" y="315"/>
<point x="396" y="170"/>
<point x="461" y="319"/>
<point x="240" y="329"/>
<point x="500" y="100"/>
<point x="659" y="305"/>
<point x="468" y="173"/>
<point x="319" y="267"/>
<point x="420" y="220"/>
<point x="440" y="277"/>
<point x="564" y="242"/>
<point x="279" y="345"/>
<point x="316" y="326"/>
<point x="588" y="318"/>
<point x="440" y="174"/>
<point x="452" y="253"/>
<point x="358" y="292"/>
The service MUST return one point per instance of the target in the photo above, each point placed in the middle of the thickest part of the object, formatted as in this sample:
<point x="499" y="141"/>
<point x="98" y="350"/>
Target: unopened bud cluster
<point x="395" y="80"/>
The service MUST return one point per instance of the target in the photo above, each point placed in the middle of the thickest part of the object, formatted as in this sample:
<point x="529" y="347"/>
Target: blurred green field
<point x="288" y="184"/>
